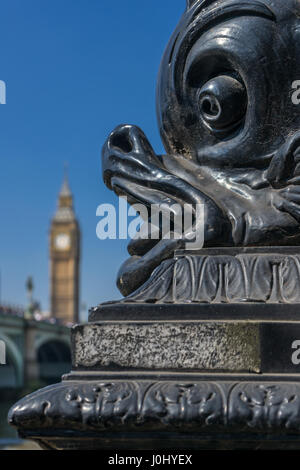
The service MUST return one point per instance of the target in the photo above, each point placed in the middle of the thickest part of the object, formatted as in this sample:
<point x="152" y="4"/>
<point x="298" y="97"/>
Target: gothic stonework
<point x="65" y="259"/>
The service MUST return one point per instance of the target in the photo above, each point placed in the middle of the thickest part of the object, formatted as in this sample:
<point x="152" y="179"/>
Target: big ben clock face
<point x="62" y="241"/>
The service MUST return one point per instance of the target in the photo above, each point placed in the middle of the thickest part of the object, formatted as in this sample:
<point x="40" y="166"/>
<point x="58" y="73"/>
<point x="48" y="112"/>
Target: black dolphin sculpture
<point x="230" y="129"/>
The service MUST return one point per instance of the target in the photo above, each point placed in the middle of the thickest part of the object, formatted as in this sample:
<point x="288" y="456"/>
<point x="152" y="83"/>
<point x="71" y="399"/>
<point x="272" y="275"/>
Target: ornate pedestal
<point x="180" y="375"/>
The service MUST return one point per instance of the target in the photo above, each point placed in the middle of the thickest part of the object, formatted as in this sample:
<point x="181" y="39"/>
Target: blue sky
<point x="74" y="69"/>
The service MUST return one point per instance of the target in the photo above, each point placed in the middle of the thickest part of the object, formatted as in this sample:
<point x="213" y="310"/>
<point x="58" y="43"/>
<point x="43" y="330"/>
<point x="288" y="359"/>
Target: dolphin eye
<point x="222" y="102"/>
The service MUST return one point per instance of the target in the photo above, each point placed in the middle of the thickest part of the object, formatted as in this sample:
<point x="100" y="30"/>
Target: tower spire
<point x="65" y="210"/>
<point x="65" y="256"/>
<point x="65" y="189"/>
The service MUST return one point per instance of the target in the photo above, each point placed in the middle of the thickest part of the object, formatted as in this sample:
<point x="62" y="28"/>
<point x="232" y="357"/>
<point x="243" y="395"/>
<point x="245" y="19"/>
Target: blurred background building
<point x="65" y="259"/>
<point x="37" y="343"/>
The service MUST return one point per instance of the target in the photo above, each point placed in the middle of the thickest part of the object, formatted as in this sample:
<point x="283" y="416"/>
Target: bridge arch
<point x="46" y="338"/>
<point x="13" y="371"/>
<point x="53" y="357"/>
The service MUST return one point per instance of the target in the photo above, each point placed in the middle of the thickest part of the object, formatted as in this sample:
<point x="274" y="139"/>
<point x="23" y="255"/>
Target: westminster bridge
<point x="35" y="351"/>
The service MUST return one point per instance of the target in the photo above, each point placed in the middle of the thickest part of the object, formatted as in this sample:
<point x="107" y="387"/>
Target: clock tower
<point x="65" y="259"/>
